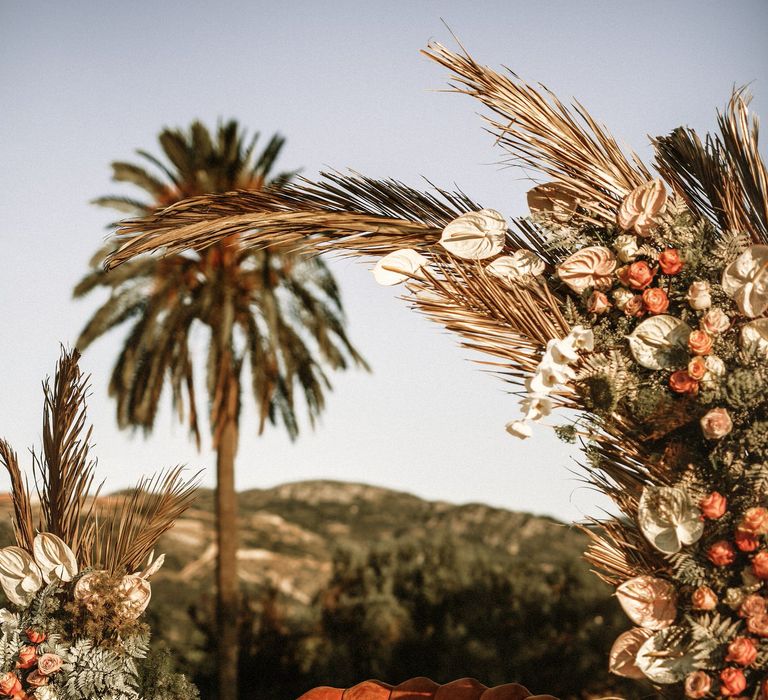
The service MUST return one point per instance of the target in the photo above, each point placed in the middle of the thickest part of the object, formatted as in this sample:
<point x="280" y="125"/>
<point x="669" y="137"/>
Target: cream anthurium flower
<point x="668" y="519"/>
<point x="56" y="560"/>
<point x="476" y="235"/>
<point x="745" y="280"/>
<point x="754" y="338"/>
<point x="521" y="266"/>
<point x="660" y="342"/>
<point x="398" y="266"/>
<point x="135" y="592"/>
<point x="519" y="429"/>
<point x="623" y="656"/>
<point x="648" y="601"/>
<point x="664" y="659"/>
<point x="20" y="577"/>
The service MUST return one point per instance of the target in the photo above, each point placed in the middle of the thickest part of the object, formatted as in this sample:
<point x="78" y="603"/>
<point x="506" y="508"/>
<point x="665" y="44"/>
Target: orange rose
<point x="37" y="679"/>
<point x="697" y="368"/>
<point x="34" y="636"/>
<point x="27" y="657"/>
<point x="683" y="383"/>
<point x="704" y="598"/>
<point x="655" y="300"/>
<point x="9" y="684"/>
<point x="721" y="553"/>
<point x="732" y="681"/>
<point x="716" y="424"/>
<point x="742" y="651"/>
<point x="598" y="303"/>
<point x="638" y="275"/>
<point x="48" y="664"/>
<point x="755" y="520"/>
<point x="697" y="684"/>
<point x="700" y="343"/>
<point x="634" y="307"/>
<point x="758" y="624"/>
<point x="746" y="541"/>
<point x="670" y="262"/>
<point x="713" y="506"/>
<point x="760" y="565"/>
<point x="752" y="606"/>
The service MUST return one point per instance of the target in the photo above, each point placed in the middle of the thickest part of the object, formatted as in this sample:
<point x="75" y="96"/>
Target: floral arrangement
<point x="75" y="580"/>
<point x="634" y="301"/>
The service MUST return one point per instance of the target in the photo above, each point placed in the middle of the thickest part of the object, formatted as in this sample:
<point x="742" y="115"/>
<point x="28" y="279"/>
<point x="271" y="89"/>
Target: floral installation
<point x="78" y="579"/>
<point x="633" y="300"/>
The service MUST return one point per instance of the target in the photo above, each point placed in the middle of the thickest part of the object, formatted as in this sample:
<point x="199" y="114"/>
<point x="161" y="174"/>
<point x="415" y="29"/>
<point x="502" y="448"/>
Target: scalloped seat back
<point x="424" y="689"/>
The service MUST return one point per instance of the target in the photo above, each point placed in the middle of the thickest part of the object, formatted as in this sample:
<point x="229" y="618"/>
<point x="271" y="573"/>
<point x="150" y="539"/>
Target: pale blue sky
<point x="82" y="84"/>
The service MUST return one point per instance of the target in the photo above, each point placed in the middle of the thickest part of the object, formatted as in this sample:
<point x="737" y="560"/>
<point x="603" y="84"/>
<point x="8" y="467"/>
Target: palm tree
<point x="279" y="313"/>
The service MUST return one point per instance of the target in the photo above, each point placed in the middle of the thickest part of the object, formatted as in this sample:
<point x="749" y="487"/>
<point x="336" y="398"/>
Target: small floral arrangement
<point x="74" y="629"/>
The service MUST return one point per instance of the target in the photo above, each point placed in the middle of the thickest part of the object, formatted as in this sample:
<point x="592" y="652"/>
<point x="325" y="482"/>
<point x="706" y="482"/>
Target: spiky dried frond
<point x="23" y="522"/>
<point x="64" y="472"/>
<point x="542" y="133"/>
<point x="132" y="523"/>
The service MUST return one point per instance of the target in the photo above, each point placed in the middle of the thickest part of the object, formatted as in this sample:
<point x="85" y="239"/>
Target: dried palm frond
<point x="131" y="524"/>
<point x="539" y="131"/>
<point x="64" y="474"/>
<point x="23" y="523"/>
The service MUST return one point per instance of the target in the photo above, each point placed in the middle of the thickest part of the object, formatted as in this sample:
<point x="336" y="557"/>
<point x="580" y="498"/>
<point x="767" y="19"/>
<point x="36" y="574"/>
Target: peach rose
<point x="732" y="681"/>
<point x="742" y="651"/>
<point x="634" y="307"/>
<point x="638" y="275"/>
<point x="27" y="657"/>
<point x="655" y="300"/>
<point x="598" y="303"/>
<point x="721" y="553"/>
<point x="713" y="506"/>
<point x="697" y="684"/>
<point x="760" y="565"/>
<point x="49" y="664"/>
<point x="716" y="424"/>
<point x="9" y="684"/>
<point x="37" y="679"/>
<point x="34" y="636"/>
<point x="704" y="598"/>
<point x="746" y="541"/>
<point x="670" y="262"/>
<point x="699" y="297"/>
<point x="715" y="322"/>
<point x="697" y="368"/>
<point x="755" y="520"/>
<point x="700" y="342"/>
<point x="682" y="383"/>
<point x="758" y="624"/>
<point x="752" y="606"/>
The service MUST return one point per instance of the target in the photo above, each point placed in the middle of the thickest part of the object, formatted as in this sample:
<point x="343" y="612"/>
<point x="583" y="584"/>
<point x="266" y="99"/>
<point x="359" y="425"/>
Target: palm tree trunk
<point x="227" y="600"/>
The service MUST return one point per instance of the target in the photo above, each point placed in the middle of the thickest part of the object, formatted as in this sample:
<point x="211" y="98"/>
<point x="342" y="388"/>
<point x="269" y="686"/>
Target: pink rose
<point x="715" y="322"/>
<point x="732" y="681"/>
<point x="598" y="303"/>
<point x="760" y="565"/>
<point x="713" y="506"/>
<point x="635" y="306"/>
<point x="697" y="684"/>
<point x="716" y="424"/>
<point x="48" y="664"/>
<point x="758" y="624"/>
<point x="704" y="598"/>
<point x="700" y="343"/>
<point x="742" y="651"/>
<point x="755" y="520"/>
<point x="37" y="679"/>
<point x="752" y="606"/>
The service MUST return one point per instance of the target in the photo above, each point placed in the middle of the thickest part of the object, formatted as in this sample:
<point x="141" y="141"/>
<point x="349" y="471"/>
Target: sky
<point x="82" y="84"/>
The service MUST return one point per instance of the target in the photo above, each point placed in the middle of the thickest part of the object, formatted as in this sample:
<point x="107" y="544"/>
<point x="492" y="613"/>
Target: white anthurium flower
<point x="668" y="519"/>
<point x="398" y="266"/>
<point x="519" y="429"/>
<point x="622" y="659"/>
<point x="476" y="235"/>
<point x="663" y="658"/>
<point x="660" y="342"/>
<point x="54" y="557"/>
<point x="135" y="592"/>
<point x="745" y="280"/>
<point x="648" y="601"/>
<point x="521" y="266"/>
<point x="20" y="577"/>
<point x="536" y="406"/>
<point x="754" y="338"/>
